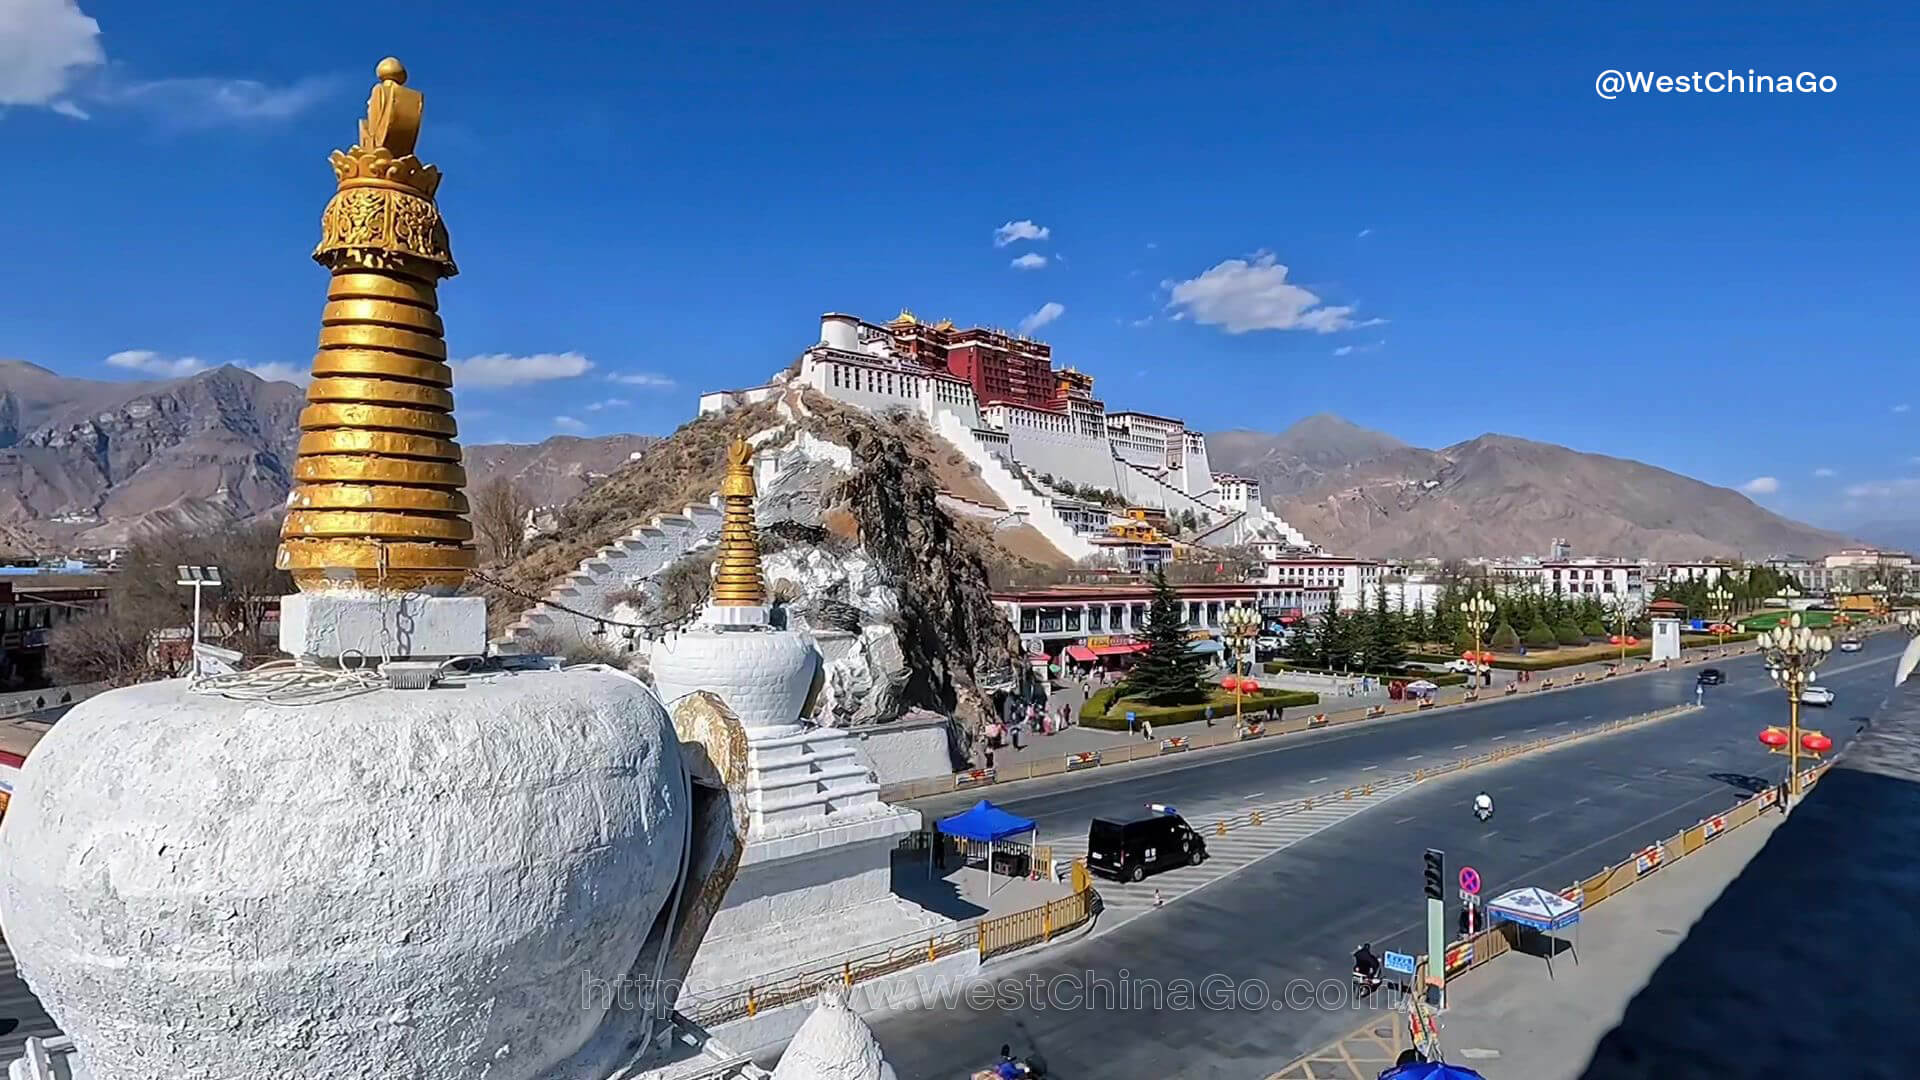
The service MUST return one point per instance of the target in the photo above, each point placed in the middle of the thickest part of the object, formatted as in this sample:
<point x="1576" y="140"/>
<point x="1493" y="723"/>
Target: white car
<point x="1268" y="644"/>
<point x="1461" y="666"/>
<point x="1816" y="695"/>
<point x="1850" y="645"/>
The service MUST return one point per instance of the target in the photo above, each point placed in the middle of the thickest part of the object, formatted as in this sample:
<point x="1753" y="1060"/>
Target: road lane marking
<point x="1462" y="746"/>
<point x="1318" y="780"/>
<point x="1583" y="799"/>
<point x="1406" y="819"/>
<point x="1255" y="795"/>
<point x="1413" y="757"/>
<point x="1497" y="738"/>
<point x="1370" y="768"/>
<point x="1530" y="731"/>
<point x="1563" y="723"/>
<point x="1537" y="817"/>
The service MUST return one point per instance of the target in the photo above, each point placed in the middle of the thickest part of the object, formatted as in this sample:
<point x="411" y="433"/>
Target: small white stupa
<point x="816" y="876"/>
<point x="834" y="1044"/>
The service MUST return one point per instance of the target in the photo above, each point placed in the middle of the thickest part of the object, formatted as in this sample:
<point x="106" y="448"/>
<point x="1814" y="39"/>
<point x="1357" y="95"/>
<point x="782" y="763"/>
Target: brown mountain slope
<point x="91" y="463"/>
<point x="1500" y="495"/>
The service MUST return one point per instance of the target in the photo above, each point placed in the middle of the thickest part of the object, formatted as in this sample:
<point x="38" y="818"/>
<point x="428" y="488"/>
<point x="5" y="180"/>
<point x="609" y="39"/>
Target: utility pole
<point x="198" y="577"/>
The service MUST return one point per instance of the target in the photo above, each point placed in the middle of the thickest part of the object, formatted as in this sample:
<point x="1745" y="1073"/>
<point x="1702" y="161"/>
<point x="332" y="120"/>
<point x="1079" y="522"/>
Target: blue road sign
<point x="1399" y="963"/>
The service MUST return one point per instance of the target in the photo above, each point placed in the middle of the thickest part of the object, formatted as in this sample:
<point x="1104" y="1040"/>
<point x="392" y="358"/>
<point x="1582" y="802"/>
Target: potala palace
<point x="1022" y="422"/>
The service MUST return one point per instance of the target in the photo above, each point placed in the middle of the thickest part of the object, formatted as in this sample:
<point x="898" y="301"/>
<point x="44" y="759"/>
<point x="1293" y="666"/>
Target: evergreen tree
<point x="1384" y="648"/>
<point x="1540" y="636"/>
<point x="1169" y="672"/>
<point x="1417" y="628"/>
<point x="1595" y="629"/>
<point x="1569" y="634"/>
<point x="1303" y="645"/>
<point x="1505" y="638"/>
<point x="1334" y="641"/>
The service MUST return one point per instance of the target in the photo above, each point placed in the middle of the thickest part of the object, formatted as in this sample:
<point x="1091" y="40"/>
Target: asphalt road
<point x="1299" y="913"/>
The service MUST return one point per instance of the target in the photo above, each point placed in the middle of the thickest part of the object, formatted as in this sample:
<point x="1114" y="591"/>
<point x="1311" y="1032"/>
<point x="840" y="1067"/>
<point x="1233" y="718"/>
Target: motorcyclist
<point x="1008" y="1068"/>
<point x="1483" y="806"/>
<point x="1366" y="965"/>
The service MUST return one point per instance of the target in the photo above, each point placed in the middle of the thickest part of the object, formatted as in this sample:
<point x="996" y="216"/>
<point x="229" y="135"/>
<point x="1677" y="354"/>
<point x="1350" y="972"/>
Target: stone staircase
<point x="574" y="607"/>
<point x="805" y="779"/>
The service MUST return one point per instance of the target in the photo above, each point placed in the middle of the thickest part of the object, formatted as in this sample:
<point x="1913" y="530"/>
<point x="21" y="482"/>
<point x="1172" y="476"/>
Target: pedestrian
<point x="989" y="756"/>
<point x="1209" y="716"/>
<point x="1016" y="739"/>
<point x="1146" y="729"/>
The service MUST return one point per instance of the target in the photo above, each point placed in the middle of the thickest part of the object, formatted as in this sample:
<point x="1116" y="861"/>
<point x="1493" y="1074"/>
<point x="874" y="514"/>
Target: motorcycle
<point x="1483" y="807"/>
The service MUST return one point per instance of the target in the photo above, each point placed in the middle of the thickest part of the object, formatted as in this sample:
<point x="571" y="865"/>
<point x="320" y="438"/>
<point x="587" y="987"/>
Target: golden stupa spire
<point x="736" y="574"/>
<point x="377" y="501"/>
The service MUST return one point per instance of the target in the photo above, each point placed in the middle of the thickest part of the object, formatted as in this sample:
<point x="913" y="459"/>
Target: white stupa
<point x="816" y="876"/>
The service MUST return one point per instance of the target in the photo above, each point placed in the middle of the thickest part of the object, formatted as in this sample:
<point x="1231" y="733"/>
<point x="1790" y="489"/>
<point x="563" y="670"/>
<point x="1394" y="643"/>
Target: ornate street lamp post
<point x="1478" y="611"/>
<point x="1722" y="602"/>
<point x="1791" y="652"/>
<point x="1240" y="624"/>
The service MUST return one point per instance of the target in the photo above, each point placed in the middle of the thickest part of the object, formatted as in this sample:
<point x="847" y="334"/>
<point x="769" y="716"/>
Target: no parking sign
<point x="1469" y="881"/>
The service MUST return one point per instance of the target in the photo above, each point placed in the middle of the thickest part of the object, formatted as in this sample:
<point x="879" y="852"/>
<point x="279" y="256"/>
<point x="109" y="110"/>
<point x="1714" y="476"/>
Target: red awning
<point x="1120" y="650"/>
<point x="1080" y="653"/>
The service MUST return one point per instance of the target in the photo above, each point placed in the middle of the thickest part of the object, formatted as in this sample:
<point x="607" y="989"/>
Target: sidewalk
<point x="1509" y="1018"/>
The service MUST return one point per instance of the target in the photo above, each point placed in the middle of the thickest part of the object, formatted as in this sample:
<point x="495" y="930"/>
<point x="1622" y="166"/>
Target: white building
<point x="1352" y="580"/>
<point x="1014" y="433"/>
<point x="1710" y="572"/>
<point x="1611" y="581"/>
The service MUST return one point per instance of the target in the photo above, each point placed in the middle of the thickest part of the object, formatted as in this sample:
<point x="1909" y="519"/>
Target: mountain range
<point x="1363" y="492"/>
<point x="89" y="463"/>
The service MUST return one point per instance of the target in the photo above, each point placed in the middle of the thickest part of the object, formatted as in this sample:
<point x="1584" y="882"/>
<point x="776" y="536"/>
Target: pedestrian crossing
<point x="1237" y="849"/>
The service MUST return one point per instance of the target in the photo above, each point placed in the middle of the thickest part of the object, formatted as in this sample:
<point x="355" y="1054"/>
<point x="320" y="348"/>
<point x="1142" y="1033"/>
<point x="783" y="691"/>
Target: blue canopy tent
<point x="1543" y="911"/>
<point x="984" y="824"/>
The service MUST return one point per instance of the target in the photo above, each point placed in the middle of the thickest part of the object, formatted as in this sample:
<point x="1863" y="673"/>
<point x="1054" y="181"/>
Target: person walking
<point x="1016" y="738"/>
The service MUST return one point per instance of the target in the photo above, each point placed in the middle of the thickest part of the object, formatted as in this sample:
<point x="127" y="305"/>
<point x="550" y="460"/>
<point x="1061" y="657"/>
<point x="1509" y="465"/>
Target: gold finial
<point x="736" y="575"/>
<point x="377" y="501"/>
<point x="905" y="318"/>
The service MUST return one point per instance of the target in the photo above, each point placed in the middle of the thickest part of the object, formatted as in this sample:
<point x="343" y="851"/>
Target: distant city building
<point x="1611" y="581"/>
<point x="1559" y="550"/>
<point x="1100" y="623"/>
<point x="1352" y="580"/>
<point x="1710" y="572"/>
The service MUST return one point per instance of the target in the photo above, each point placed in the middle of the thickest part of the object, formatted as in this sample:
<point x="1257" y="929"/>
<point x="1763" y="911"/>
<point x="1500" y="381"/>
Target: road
<point x="1298" y="913"/>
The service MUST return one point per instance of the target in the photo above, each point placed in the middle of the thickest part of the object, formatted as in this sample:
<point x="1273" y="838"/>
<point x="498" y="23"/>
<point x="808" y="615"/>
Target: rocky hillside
<point x="89" y="463"/>
<point x="554" y="471"/>
<point x="1497" y="494"/>
<point x="856" y="540"/>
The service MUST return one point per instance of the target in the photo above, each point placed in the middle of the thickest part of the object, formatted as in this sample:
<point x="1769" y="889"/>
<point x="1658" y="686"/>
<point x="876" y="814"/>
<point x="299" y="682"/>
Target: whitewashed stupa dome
<point x="764" y="675"/>
<point x="833" y="1044"/>
<point x="398" y="883"/>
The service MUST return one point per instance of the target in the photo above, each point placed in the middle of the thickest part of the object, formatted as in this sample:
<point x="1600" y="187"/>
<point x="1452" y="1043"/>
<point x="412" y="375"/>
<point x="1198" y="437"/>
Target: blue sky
<point x="1424" y="220"/>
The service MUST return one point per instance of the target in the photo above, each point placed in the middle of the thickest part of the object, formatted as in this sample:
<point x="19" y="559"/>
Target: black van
<point x="1131" y="849"/>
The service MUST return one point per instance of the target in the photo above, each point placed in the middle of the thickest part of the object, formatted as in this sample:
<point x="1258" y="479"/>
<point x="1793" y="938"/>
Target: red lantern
<point x="1773" y="738"/>
<point x="1614" y="640"/>
<point x="1230" y="682"/>
<point x="1815" y="743"/>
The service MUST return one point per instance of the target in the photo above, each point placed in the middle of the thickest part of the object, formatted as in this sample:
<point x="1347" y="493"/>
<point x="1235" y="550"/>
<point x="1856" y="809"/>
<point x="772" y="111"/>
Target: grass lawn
<point x="1115" y="719"/>
<point x="1767" y="620"/>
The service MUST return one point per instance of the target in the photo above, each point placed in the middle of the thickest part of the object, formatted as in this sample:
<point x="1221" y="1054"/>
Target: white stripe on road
<point x="1462" y="746"/>
<point x="1318" y="780"/>
<point x="1370" y="768"/>
<point x="1255" y="795"/>
<point x="1497" y="738"/>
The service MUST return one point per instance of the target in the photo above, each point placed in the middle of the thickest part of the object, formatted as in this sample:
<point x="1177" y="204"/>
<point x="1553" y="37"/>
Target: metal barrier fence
<point x="1472" y="952"/>
<point x="1000" y="935"/>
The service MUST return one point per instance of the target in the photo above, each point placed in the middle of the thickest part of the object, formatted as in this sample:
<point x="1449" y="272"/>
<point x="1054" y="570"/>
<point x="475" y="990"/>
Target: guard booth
<point x="1666" y="616"/>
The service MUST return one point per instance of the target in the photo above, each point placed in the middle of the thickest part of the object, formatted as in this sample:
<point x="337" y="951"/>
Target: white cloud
<point x="1761" y="485"/>
<point x="1823" y="473"/>
<point x="641" y="378"/>
<point x="1343" y="350"/>
<point x="45" y="47"/>
<point x="1240" y="296"/>
<point x="1903" y="488"/>
<point x="568" y="423"/>
<point x="195" y="103"/>
<point x="1048" y="312"/>
<point x="1363" y="234"/>
<point x="153" y="363"/>
<point x="1148" y="321"/>
<point x="1902" y="407"/>
<point x="1030" y="261"/>
<point x="505" y="369"/>
<point x="609" y="403"/>
<point x="51" y="57"/>
<point x="1016" y="231"/>
<point x="281" y="371"/>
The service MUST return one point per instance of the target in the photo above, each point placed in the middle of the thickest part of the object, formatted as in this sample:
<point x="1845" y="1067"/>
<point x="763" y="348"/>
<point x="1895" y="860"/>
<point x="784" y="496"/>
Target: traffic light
<point x="1436" y="875"/>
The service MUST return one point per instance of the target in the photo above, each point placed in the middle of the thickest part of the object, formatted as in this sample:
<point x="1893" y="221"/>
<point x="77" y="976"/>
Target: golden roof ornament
<point x="736" y="576"/>
<point x="377" y="501"/>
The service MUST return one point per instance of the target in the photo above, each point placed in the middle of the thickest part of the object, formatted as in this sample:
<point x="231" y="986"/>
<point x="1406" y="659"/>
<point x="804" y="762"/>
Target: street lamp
<point x="198" y="577"/>
<point x="1478" y="611"/>
<point x="1791" y="652"/>
<point x="1722" y="602"/>
<point x="1240" y="624"/>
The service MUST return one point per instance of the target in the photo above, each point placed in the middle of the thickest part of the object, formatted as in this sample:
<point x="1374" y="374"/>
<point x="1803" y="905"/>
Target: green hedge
<point x="1094" y="713"/>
